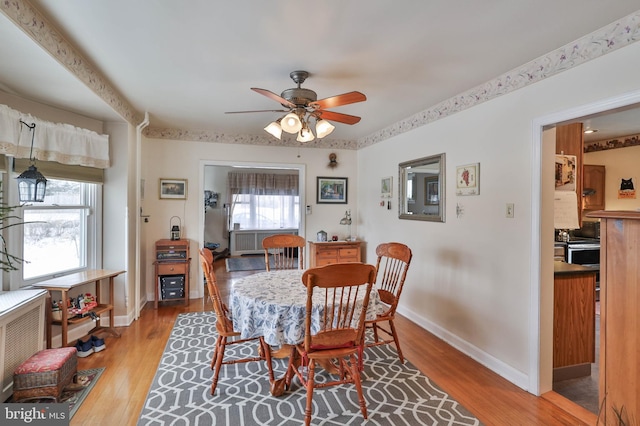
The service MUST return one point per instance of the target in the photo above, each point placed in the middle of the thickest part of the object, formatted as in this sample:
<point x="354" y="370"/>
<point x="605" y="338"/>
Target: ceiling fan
<point x="303" y="105"/>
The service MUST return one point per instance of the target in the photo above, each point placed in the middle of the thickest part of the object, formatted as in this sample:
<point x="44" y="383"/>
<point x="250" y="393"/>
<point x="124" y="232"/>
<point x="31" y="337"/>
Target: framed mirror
<point x="421" y="189"/>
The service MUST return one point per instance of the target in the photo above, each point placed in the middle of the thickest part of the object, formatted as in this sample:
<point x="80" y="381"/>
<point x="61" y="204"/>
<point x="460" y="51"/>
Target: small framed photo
<point x="332" y="190"/>
<point x="385" y="187"/>
<point x="468" y="179"/>
<point x="173" y="189"/>
<point x="431" y="191"/>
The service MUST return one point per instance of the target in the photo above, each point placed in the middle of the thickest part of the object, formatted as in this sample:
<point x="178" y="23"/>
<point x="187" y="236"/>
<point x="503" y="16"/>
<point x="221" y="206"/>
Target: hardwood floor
<point x="132" y="359"/>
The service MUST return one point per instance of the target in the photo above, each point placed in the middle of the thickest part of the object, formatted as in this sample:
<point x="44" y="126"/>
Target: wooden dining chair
<point x="391" y="270"/>
<point x="286" y="250"/>
<point x="344" y="289"/>
<point x="224" y="326"/>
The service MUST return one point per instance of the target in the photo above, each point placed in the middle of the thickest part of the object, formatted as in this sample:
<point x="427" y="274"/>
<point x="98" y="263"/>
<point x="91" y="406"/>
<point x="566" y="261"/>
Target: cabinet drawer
<point x="172" y="269"/>
<point x="327" y="254"/>
<point x="348" y="253"/>
<point x="326" y="261"/>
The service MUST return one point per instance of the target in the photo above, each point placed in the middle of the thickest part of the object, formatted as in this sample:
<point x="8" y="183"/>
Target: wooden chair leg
<point x="375" y="332"/>
<point x="219" y="357"/>
<point x="355" y="375"/>
<point x="310" y="384"/>
<point x="215" y="352"/>
<point x="266" y="353"/>
<point x="396" y="340"/>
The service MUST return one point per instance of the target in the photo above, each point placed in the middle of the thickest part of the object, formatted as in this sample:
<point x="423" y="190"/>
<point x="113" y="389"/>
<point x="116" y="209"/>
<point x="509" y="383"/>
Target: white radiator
<point x="22" y="318"/>
<point x="250" y="241"/>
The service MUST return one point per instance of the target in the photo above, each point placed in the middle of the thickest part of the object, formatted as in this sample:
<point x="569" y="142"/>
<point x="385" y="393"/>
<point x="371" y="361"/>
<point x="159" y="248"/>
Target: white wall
<point x="118" y="233"/>
<point x="186" y="160"/>
<point x="472" y="277"/>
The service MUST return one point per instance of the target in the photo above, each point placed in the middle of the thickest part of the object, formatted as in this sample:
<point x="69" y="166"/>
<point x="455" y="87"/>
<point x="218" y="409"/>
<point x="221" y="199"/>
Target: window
<point x="266" y="211"/>
<point x="60" y="235"/>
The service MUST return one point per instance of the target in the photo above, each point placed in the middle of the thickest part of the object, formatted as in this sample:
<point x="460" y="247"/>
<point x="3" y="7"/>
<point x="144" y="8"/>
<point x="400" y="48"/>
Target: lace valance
<point x="62" y="143"/>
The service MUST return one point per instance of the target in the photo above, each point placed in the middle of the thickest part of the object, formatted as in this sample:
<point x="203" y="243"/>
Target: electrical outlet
<point x="510" y="210"/>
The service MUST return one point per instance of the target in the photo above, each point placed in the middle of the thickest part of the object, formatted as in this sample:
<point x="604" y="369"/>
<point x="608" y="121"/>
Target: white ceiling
<point x="188" y="62"/>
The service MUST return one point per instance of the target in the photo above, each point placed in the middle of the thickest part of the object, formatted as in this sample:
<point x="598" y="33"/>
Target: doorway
<point x="214" y="226"/>
<point x="542" y="221"/>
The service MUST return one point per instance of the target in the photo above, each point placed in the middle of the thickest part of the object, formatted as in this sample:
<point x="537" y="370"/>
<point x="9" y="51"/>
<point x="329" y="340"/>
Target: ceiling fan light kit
<point x="303" y="105"/>
<point x="275" y="128"/>
<point x="291" y="123"/>
<point x="324" y="128"/>
<point x="305" y="134"/>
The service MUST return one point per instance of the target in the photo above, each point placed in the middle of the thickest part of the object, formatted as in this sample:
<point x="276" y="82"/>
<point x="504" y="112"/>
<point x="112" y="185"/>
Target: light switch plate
<point x="510" y="210"/>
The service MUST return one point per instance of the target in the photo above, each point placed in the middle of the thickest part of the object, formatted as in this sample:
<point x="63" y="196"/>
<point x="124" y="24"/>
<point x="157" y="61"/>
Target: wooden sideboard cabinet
<point x="172" y="271"/>
<point x="325" y="253"/>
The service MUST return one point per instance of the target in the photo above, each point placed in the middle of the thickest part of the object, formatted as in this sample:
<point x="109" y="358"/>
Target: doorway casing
<point x="301" y="169"/>
<point x="541" y="286"/>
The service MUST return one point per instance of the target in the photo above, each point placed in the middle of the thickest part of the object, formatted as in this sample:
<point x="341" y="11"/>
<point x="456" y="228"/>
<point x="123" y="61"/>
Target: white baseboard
<point x="516" y="377"/>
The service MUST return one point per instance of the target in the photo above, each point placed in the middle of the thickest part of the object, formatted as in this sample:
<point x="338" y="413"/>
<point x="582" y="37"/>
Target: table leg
<point x="65" y="316"/>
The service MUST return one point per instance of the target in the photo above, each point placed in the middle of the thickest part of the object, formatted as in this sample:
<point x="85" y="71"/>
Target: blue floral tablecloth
<point x="272" y="304"/>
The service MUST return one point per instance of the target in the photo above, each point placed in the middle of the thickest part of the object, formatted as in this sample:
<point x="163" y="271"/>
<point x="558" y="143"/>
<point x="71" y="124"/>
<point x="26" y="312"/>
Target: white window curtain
<point x="62" y="143"/>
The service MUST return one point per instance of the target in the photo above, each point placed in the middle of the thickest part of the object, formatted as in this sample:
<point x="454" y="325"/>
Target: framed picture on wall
<point x="468" y="179"/>
<point x="175" y="189"/>
<point x="431" y="193"/>
<point x="385" y="187"/>
<point x="332" y="190"/>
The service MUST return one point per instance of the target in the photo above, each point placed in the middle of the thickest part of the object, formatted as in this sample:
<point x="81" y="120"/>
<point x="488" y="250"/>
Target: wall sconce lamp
<point x="31" y="183"/>
<point x="333" y="160"/>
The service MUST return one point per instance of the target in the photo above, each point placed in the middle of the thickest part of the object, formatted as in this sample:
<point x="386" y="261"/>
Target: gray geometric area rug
<point x="396" y="394"/>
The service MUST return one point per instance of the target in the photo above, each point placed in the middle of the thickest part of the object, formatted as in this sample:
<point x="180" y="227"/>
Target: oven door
<point x="583" y="254"/>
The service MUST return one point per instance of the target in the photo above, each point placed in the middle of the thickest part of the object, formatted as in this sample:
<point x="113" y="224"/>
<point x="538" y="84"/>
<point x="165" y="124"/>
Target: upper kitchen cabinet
<point x="569" y="141"/>
<point x="593" y="187"/>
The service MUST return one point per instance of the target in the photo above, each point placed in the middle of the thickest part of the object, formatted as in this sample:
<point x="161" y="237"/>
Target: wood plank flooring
<point x="132" y="359"/>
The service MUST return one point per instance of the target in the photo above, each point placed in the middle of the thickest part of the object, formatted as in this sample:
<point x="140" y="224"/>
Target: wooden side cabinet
<point x="172" y="270"/>
<point x="593" y="186"/>
<point x="325" y="253"/>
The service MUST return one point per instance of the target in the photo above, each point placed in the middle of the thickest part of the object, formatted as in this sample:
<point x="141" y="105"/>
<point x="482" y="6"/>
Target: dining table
<point x="273" y="305"/>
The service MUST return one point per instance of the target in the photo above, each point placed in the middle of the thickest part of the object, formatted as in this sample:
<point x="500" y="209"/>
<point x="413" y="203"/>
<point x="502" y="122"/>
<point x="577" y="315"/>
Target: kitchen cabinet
<point x="619" y="318"/>
<point x="325" y="253"/>
<point x="574" y="323"/>
<point x="570" y="141"/>
<point x="593" y="185"/>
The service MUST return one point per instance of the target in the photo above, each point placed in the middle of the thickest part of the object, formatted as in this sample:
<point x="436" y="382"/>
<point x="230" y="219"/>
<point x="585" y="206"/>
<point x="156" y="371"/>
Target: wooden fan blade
<point x="269" y="94"/>
<point x="339" y="100"/>
<point x="337" y="116"/>
<point x="260" y="110"/>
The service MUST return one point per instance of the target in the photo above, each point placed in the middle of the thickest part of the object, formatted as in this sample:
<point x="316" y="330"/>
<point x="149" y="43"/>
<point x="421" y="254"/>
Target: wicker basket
<point x="45" y="374"/>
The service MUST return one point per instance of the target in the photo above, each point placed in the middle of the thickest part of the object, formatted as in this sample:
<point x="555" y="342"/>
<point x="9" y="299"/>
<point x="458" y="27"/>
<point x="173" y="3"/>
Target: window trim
<point x="93" y="243"/>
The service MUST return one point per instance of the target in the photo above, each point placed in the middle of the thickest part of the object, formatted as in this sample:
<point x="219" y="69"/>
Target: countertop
<point x="561" y="268"/>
